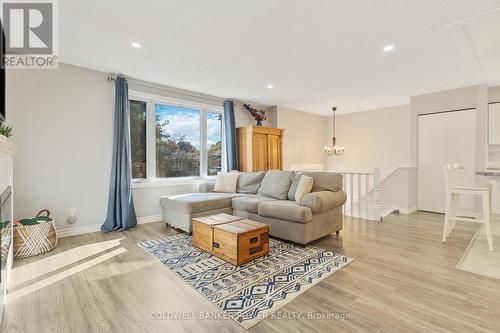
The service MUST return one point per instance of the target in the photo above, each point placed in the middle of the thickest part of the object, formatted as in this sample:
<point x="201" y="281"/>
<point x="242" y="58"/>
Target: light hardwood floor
<point x="402" y="280"/>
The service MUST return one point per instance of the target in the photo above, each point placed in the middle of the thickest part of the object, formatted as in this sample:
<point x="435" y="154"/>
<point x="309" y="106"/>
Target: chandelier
<point x="336" y="150"/>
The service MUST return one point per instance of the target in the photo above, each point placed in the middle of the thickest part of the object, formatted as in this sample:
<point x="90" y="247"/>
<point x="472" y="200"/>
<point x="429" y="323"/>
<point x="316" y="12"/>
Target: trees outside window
<point x="187" y="141"/>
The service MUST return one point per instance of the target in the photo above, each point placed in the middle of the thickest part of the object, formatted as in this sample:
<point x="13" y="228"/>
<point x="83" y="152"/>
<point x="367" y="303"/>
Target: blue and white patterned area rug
<point x="251" y="292"/>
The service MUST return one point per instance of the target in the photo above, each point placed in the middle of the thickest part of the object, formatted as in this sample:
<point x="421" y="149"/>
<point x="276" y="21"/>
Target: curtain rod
<point x="112" y="77"/>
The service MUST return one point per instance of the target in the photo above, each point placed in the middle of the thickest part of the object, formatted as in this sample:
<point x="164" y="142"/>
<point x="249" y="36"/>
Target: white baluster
<point x="351" y="194"/>
<point x="367" y="190"/>
<point x="377" y="205"/>
<point x="345" y="190"/>
<point x="359" y="195"/>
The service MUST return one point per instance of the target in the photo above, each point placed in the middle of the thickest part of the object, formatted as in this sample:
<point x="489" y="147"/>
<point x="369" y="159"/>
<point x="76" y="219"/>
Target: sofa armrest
<point x="324" y="200"/>
<point x="206" y="187"/>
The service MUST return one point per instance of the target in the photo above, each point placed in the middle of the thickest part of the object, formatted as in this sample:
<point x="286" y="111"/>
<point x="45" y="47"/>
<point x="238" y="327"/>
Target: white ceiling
<point x="316" y="53"/>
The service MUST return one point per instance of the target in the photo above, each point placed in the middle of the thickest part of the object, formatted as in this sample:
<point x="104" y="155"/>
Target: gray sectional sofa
<point x="267" y="197"/>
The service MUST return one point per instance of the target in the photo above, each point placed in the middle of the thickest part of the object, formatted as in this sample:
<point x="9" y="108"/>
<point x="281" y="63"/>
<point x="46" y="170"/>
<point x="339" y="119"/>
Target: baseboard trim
<point x="86" y="229"/>
<point x="149" y="219"/>
<point x="404" y="211"/>
<point x="408" y="211"/>
<point x="389" y="211"/>
<point x="73" y="231"/>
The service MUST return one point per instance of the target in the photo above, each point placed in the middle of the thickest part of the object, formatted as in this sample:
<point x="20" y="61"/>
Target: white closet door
<point x="431" y="148"/>
<point x="444" y="138"/>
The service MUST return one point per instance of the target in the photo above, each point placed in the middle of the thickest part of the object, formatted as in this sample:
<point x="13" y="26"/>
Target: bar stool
<point x="454" y="188"/>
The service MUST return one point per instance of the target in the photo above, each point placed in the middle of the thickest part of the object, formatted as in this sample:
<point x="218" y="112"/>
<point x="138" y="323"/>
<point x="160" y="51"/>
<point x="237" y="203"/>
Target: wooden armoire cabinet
<point x="260" y="148"/>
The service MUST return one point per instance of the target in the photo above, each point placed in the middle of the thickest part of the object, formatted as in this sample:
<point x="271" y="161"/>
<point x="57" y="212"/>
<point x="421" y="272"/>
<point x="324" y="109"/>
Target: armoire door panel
<point x="260" y="152"/>
<point x="274" y="152"/>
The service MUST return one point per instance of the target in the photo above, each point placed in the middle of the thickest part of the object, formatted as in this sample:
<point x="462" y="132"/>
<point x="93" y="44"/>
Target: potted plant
<point x="258" y="115"/>
<point x="5" y="130"/>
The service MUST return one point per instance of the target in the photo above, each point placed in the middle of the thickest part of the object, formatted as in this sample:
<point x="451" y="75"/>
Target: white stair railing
<point x="363" y="194"/>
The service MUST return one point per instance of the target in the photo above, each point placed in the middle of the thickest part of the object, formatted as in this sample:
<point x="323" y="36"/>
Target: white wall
<point x="494" y="94"/>
<point x="456" y="99"/>
<point x="244" y="118"/>
<point x="303" y="139"/>
<point x="467" y="97"/>
<point x="388" y="137"/>
<point x="63" y="124"/>
<point x="375" y="138"/>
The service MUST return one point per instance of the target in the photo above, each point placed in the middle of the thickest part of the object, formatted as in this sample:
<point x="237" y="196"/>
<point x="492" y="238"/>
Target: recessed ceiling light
<point x="136" y="45"/>
<point x="388" y="48"/>
<point x="270" y="86"/>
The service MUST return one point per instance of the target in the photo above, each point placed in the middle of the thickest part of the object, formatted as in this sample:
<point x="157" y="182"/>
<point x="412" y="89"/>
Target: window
<point x="177" y="141"/>
<point x="138" y="138"/>
<point x="214" y="142"/>
<point x="171" y="139"/>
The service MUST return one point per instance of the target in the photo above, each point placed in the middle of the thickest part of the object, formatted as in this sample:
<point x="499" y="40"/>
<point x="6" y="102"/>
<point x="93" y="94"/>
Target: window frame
<point x="151" y="100"/>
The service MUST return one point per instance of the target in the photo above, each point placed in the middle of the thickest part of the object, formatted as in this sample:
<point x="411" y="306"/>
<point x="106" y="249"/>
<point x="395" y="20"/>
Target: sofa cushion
<point x="325" y="181"/>
<point x="249" y="203"/>
<point x="322" y="181"/>
<point x="322" y="201"/>
<point x="197" y="202"/>
<point x="206" y="187"/>
<point x="285" y="210"/>
<point x="276" y="184"/>
<point x="249" y="182"/>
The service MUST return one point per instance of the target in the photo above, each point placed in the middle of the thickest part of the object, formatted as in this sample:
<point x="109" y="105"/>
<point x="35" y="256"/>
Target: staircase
<point x="371" y="196"/>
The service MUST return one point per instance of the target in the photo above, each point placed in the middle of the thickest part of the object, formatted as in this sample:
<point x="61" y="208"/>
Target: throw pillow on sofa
<point x="305" y="186"/>
<point x="276" y="184"/>
<point x="226" y="182"/>
<point x="293" y="187"/>
<point x="249" y="182"/>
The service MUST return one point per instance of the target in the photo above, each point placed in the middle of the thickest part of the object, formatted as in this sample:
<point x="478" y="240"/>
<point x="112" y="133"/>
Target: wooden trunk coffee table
<point x="203" y="233"/>
<point x="233" y="239"/>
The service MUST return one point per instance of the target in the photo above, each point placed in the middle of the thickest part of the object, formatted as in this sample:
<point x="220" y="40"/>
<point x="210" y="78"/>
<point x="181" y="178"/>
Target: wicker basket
<point x="36" y="238"/>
